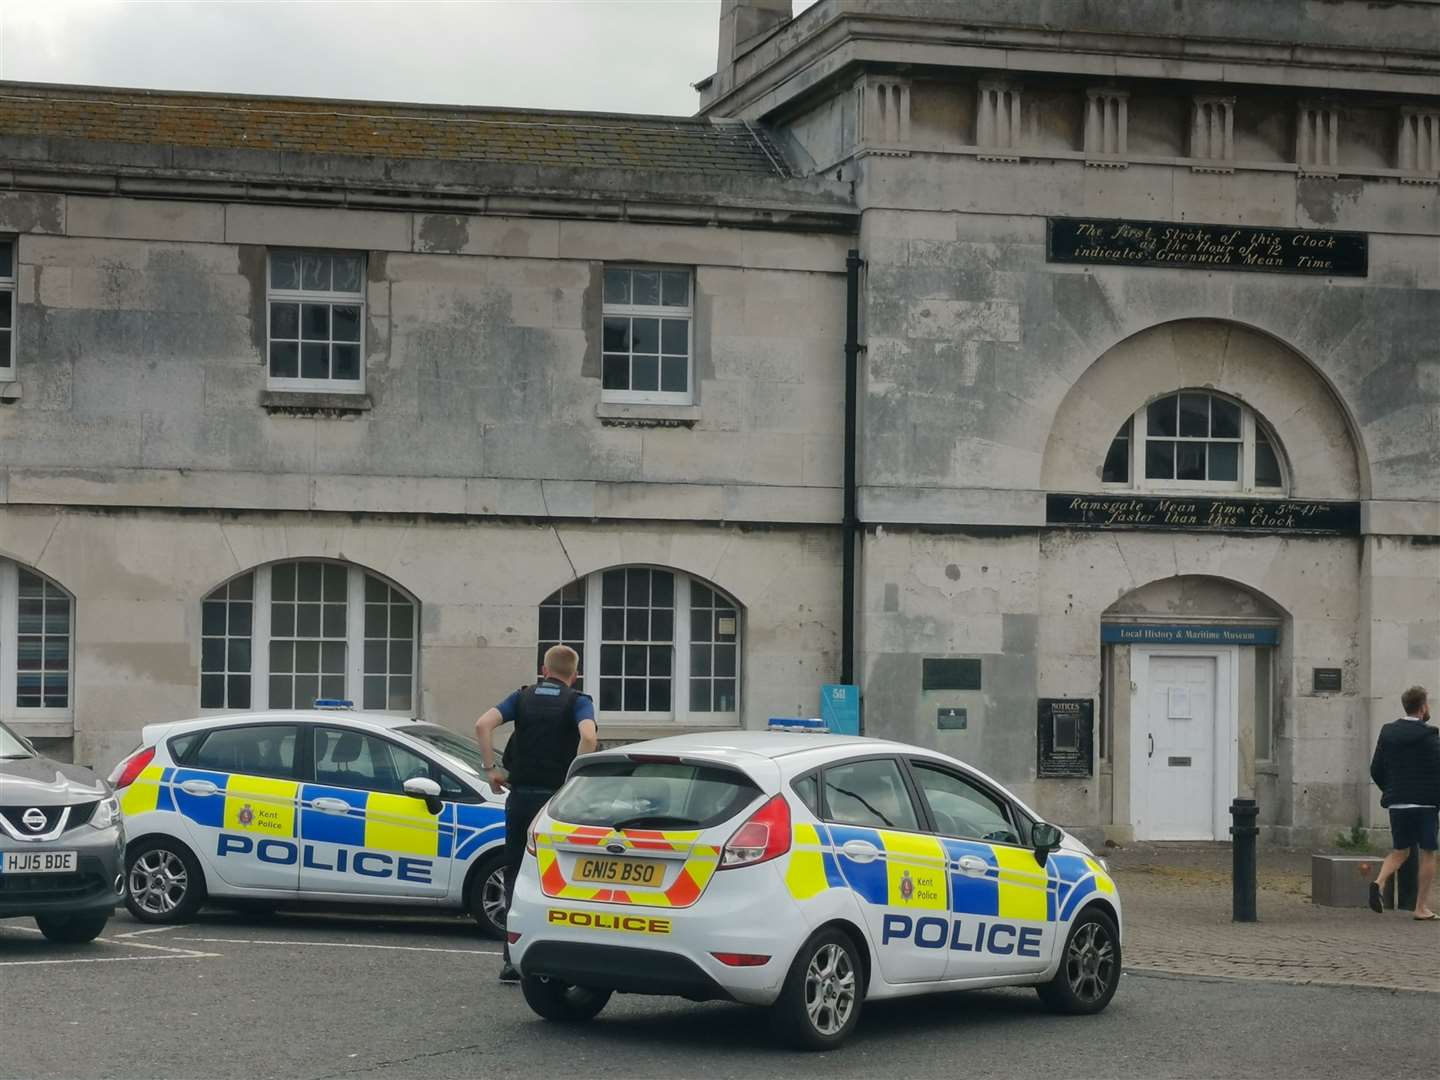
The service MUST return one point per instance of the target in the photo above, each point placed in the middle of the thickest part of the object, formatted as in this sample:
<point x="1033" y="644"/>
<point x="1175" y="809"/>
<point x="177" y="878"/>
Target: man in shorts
<point x="1406" y="768"/>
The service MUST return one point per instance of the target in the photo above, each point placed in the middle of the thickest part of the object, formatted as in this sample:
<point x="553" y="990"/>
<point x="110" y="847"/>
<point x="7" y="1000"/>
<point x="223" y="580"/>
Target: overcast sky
<point x="616" y="55"/>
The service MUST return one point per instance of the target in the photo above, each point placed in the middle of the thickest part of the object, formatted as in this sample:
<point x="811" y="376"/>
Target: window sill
<point x="313" y="403"/>
<point x="642" y="415"/>
<point x="42" y="727"/>
<point x="9" y="389"/>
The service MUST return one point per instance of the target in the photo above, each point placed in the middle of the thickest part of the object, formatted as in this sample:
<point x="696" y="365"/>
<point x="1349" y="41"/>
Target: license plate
<point x="619" y="871"/>
<point x="38" y="862"/>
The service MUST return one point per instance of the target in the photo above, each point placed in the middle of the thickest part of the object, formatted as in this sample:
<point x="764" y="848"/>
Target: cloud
<point x="611" y="55"/>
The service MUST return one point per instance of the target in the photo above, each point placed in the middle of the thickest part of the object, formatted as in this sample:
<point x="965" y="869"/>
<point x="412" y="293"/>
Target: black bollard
<point x="1243" y="832"/>
<point x="1407" y="882"/>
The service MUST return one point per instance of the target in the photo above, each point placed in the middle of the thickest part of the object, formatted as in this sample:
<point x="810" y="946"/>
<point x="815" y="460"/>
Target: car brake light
<point x="764" y="836"/>
<point x="654" y="759"/>
<point x="530" y="836"/>
<point x="740" y="959"/>
<point x="130" y="768"/>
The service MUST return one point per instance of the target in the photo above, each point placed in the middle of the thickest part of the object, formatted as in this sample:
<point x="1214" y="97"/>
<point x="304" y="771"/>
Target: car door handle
<point x="860" y="850"/>
<point x="973" y="866"/>
<point x="1152" y="746"/>
<point x="330" y="806"/>
<point x="198" y="787"/>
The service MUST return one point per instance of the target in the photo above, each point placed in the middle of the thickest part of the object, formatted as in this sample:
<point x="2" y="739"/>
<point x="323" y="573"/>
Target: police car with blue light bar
<point x="806" y="873"/>
<point x="325" y="805"/>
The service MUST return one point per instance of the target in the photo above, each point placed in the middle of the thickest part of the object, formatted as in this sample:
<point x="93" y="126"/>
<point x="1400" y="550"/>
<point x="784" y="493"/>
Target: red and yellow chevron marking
<point x="683" y="891"/>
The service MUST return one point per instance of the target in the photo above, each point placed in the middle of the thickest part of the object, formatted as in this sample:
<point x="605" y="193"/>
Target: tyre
<point x="1089" y="969"/>
<point x="556" y="1000"/>
<point x="487" y="896"/>
<point x="819" y="1005"/>
<point x="72" y="929"/>
<point x="163" y="881"/>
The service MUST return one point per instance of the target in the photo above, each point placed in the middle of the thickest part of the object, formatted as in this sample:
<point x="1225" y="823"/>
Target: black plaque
<point x="951" y="719"/>
<point x="1326" y="680"/>
<point x="1064" y="737"/>
<point x="1196" y="513"/>
<point x="949" y="674"/>
<point x="1190" y="246"/>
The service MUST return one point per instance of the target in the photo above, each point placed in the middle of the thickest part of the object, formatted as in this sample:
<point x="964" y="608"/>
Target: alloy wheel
<point x="159" y="881"/>
<point x="492" y="897"/>
<point x="830" y="988"/>
<point x="1090" y="962"/>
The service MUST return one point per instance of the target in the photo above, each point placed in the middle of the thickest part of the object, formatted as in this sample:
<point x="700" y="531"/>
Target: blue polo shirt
<point x="584" y="705"/>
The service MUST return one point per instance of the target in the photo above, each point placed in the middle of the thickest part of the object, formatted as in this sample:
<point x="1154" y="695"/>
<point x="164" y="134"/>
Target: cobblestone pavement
<point x="1177" y="919"/>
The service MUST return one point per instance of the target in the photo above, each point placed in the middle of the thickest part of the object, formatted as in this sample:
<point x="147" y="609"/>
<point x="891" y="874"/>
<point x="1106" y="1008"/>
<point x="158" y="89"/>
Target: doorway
<point x="1184" y="751"/>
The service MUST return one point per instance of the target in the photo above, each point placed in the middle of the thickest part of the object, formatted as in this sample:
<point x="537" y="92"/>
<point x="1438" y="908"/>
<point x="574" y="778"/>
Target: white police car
<point x="807" y="873"/>
<point x="328" y="806"/>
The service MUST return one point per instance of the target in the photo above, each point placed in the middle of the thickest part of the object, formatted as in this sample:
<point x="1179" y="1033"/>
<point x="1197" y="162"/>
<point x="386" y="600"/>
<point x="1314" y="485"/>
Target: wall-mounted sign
<point x="1186" y="634"/>
<point x="951" y="719"/>
<point x="1326" y="680"/>
<point x="1185" y="513"/>
<point x="1189" y="246"/>
<point x="1064" y="735"/>
<point x="840" y="708"/>
<point x="949" y="673"/>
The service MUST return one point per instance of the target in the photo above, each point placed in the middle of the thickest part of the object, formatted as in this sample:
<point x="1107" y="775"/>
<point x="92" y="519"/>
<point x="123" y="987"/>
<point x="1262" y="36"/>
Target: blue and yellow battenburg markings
<point x="263" y="816"/>
<point x="917" y="870"/>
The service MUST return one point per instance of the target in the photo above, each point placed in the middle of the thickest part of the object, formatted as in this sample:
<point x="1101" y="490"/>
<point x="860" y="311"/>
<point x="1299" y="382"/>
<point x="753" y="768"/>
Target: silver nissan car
<point x="62" y="843"/>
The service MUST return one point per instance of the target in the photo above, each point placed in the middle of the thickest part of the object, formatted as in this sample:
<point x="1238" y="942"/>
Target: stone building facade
<point x="374" y="401"/>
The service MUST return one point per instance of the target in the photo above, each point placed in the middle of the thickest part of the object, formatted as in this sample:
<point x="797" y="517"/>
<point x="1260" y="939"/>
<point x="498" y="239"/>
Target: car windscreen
<point x="464" y="751"/>
<point x="11" y="747"/>
<point x="652" y="795"/>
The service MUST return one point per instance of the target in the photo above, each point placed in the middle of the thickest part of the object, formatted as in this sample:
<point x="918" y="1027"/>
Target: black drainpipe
<point x="851" y="521"/>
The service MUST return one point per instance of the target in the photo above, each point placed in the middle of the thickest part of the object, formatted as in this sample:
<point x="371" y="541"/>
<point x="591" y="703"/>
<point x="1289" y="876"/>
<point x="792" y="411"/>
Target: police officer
<point x="553" y="723"/>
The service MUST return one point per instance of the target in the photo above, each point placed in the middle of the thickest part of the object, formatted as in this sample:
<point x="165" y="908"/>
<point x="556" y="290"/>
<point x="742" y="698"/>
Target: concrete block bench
<point x="1344" y="880"/>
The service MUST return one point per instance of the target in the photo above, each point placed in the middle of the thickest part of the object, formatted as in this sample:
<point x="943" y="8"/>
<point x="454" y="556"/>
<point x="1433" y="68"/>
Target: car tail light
<point x="530" y="835"/>
<point x="741" y="959"/>
<point x="126" y="772"/>
<point x="764" y="836"/>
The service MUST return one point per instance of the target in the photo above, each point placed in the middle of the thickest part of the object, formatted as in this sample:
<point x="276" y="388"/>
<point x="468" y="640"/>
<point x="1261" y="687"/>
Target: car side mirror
<point x="422" y="787"/>
<point x="1045" y="838"/>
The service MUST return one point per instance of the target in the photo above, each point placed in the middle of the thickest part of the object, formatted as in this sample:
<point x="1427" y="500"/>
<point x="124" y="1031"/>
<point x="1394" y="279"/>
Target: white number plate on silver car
<point x="38" y="862"/>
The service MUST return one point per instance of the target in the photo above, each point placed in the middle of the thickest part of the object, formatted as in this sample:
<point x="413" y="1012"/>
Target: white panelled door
<point x="1181" y="747"/>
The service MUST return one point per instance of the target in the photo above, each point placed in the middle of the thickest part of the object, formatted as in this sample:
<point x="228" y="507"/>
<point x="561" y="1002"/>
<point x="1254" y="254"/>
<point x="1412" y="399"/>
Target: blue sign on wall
<point x="840" y="708"/>
<point x="1139" y="634"/>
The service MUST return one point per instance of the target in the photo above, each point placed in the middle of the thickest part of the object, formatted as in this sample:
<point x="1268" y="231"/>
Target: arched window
<point x="282" y="635"/>
<point x="653" y="643"/>
<point x="36" y="625"/>
<point x="1195" y="440"/>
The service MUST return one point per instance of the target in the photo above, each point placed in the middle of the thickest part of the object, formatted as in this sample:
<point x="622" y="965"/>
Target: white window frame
<point x="8" y="288"/>
<point x="652" y="311"/>
<point x="679" y="713"/>
<point x="1245" y="485"/>
<point x="305" y="296"/>
<point x="354" y="640"/>
<point x="28" y="720"/>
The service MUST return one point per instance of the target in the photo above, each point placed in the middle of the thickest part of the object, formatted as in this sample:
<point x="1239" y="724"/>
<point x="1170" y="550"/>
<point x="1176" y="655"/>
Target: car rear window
<point x="653" y="795"/>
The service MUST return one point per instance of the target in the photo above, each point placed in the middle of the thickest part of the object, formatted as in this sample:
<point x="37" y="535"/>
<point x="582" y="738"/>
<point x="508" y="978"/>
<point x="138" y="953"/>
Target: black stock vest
<point x="546" y="736"/>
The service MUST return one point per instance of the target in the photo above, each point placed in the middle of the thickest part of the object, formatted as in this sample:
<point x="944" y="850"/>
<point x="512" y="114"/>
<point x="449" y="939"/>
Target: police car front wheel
<point x="164" y="882"/>
<point x="819" y="1004"/>
<point x="1089" y="970"/>
<point x="556" y="1000"/>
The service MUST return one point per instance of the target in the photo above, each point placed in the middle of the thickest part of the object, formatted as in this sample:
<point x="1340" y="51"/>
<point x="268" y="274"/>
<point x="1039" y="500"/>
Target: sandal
<point x="1377" y="904"/>
<point x="1432" y="917"/>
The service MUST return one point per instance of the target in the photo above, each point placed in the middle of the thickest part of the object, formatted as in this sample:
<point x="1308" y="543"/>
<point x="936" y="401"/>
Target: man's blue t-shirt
<point x="584" y="706"/>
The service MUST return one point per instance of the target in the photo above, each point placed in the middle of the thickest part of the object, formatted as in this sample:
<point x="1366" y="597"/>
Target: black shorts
<point x="1414" y="827"/>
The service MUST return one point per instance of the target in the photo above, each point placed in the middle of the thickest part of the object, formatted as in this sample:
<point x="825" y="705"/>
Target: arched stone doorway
<point x="1193" y="685"/>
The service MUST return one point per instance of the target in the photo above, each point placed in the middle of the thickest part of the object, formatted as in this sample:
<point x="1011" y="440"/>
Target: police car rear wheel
<point x="487" y="896"/>
<point x="1090" y="969"/>
<point x="72" y="929"/>
<point x="164" y="883"/>
<point x="556" y="1000"/>
<point x="819" y="1004"/>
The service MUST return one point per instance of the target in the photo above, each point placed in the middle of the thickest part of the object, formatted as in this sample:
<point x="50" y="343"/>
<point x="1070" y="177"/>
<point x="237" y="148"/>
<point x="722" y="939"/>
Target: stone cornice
<point x="784" y="69"/>
<point x="69" y="166"/>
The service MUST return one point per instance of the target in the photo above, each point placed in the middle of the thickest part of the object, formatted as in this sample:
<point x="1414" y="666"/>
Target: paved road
<point x="311" y="996"/>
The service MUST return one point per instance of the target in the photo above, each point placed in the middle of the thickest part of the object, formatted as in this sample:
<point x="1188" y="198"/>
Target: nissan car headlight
<point x="106" y="814"/>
